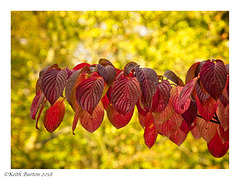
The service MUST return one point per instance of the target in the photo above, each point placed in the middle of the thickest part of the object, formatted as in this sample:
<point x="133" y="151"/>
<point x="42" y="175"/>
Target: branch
<point x="216" y="118"/>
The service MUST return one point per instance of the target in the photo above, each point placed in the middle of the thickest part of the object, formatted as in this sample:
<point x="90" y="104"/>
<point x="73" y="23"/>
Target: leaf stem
<point x="216" y="118"/>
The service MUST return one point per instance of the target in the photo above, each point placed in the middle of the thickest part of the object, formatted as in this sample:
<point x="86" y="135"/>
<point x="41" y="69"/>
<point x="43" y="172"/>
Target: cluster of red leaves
<point x="200" y="106"/>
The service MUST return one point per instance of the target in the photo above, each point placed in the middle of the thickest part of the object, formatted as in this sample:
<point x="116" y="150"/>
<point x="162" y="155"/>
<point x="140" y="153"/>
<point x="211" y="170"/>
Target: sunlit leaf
<point x="150" y="134"/>
<point x="178" y="137"/>
<point x="144" y="120"/>
<point x="161" y="97"/>
<point x="223" y="115"/>
<point x="163" y="116"/>
<point x="37" y="101"/>
<point x="217" y="147"/>
<point x="92" y="122"/>
<point x="175" y="93"/>
<point x="170" y="126"/>
<point x="207" y="129"/>
<point x="186" y="92"/>
<point x="54" y="116"/>
<point x="223" y="134"/>
<point x="206" y="105"/>
<point x="118" y="120"/>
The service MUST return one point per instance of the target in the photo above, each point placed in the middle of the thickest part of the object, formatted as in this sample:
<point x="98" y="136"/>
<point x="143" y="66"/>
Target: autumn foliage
<point x="169" y="108"/>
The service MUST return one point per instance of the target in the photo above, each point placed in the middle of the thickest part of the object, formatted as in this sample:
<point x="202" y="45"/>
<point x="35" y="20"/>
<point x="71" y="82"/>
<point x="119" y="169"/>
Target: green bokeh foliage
<point x="159" y="40"/>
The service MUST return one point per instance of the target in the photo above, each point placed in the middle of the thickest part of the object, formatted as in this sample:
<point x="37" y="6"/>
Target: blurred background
<point x="159" y="40"/>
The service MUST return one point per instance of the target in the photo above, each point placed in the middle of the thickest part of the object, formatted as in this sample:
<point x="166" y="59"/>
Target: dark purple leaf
<point x="52" y="84"/>
<point x="108" y="73"/>
<point x="128" y="68"/>
<point x="213" y="77"/>
<point x="148" y="80"/>
<point x="89" y="93"/>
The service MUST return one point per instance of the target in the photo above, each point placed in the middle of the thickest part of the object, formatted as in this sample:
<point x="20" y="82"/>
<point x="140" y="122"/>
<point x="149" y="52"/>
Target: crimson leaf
<point x="217" y="147"/>
<point x="38" y="99"/>
<point x="118" y="120"/>
<point x="54" y="116"/>
<point x="161" y="97"/>
<point x="125" y="94"/>
<point x="150" y="134"/>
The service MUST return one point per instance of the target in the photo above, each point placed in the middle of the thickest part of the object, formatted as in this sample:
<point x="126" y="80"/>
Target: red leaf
<point x="223" y="134"/>
<point x="150" y="134"/>
<point x="70" y="72"/>
<point x="37" y="101"/>
<point x="75" y="79"/>
<point x="54" y="116"/>
<point x="206" y="105"/>
<point x="118" y="120"/>
<point x="191" y="72"/>
<point x="144" y="120"/>
<point x="173" y="77"/>
<point x="170" y="126"/>
<point x="185" y="127"/>
<point x="161" y="97"/>
<point x="207" y="129"/>
<point x="105" y="101"/>
<point x="52" y="84"/>
<point x="80" y="66"/>
<point x="186" y="92"/>
<point x="223" y="115"/>
<point x="125" y="94"/>
<point x="196" y="134"/>
<point x="163" y="116"/>
<point x="175" y="92"/>
<point x="89" y="92"/>
<point x="213" y="77"/>
<point x="92" y="122"/>
<point x="76" y="117"/>
<point x="148" y="80"/>
<point x="217" y="147"/>
<point x="190" y="114"/>
<point x="142" y="110"/>
<point x="108" y="73"/>
<point x="178" y="137"/>
<point x="207" y="109"/>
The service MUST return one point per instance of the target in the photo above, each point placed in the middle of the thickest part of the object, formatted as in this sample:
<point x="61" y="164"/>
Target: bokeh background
<point x="159" y="40"/>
